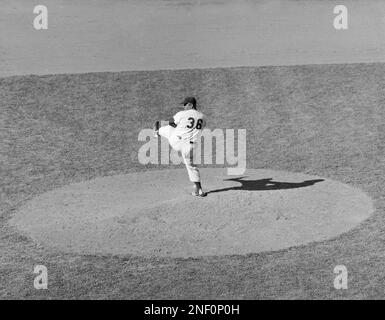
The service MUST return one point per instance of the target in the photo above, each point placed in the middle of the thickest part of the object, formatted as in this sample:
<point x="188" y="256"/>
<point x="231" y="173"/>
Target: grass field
<point x="326" y="120"/>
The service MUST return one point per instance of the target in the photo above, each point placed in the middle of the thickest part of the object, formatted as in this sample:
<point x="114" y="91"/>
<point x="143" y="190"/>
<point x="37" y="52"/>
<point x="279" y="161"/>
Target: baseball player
<point x="182" y="132"/>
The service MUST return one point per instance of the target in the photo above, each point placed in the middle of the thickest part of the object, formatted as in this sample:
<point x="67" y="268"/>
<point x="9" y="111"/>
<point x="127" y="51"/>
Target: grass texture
<point x="326" y="120"/>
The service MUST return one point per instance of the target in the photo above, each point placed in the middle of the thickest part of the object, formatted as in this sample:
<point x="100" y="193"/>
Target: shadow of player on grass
<point x="265" y="184"/>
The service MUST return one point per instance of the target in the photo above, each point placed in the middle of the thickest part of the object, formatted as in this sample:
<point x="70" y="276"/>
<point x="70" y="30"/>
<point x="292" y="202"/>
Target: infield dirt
<point x="111" y="35"/>
<point x="153" y="214"/>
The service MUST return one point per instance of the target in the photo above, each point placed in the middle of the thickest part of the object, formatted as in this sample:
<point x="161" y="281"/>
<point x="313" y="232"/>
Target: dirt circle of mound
<point x="153" y="214"/>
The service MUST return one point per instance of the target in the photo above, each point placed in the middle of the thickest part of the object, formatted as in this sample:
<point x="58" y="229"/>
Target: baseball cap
<point x="191" y="100"/>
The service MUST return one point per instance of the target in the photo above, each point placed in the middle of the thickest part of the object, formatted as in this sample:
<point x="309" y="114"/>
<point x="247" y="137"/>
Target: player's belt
<point x="181" y="138"/>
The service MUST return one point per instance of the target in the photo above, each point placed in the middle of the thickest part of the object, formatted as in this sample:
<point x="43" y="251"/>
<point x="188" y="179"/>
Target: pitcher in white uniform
<point x="182" y="133"/>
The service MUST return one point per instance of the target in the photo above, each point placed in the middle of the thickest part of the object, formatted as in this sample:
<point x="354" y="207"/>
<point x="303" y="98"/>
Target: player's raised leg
<point x="165" y="131"/>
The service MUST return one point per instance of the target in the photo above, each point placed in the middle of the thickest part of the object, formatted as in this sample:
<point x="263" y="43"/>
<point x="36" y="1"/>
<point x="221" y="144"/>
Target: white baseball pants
<point x="186" y="149"/>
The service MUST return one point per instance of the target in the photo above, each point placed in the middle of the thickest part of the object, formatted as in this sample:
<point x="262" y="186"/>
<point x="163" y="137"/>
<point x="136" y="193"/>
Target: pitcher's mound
<point x="153" y="213"/>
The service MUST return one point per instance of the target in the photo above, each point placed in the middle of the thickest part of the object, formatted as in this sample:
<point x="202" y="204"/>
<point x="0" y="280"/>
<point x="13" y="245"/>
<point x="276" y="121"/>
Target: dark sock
<point x="198" y="185"/>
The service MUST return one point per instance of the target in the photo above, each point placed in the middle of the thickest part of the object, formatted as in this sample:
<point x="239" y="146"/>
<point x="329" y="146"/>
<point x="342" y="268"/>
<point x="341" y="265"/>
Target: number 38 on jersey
<point x="189" y="124"/>
<point x="195" y="124"/>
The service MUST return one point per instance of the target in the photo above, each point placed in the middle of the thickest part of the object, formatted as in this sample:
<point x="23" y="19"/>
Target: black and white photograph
<point x="192" y="150"/>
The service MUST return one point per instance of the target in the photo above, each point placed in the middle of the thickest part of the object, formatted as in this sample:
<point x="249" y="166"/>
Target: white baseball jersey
<point x="189" y="124"/>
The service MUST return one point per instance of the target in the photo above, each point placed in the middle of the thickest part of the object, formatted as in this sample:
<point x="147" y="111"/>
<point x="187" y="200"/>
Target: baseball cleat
<point x="156" y="129"/>
<point x="199" y="194"/>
